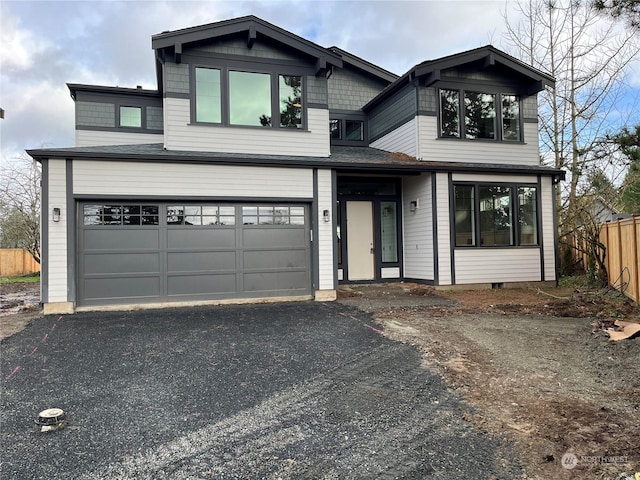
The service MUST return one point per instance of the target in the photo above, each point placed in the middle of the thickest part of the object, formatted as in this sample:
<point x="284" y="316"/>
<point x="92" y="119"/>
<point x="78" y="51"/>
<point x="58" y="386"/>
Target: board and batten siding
<point x="418" y="228"/>
<point x="497" y="265"/>
<point x="432" y="148"/>
<point x="176" y="180"/>
<point x="444" y="230"/>
<point x="57" y="240"/>
<point x="325" y="232"/>
<point x="548" y="229"/>
<point x="402" y="139"/>
<point x="94" y="138"/>
<point x="180" y="134"/>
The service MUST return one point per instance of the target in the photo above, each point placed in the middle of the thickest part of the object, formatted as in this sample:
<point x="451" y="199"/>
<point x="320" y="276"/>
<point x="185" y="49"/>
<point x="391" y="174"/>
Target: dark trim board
<point x="160" y="198"/>
<point x="434" y="221"/>
<point x="144" y="130"/>
<point x="452" y="237"/>
<point x="315" y="244"/>
<point x="420" y="281"/>
<point x="71" y="236"/>
<point x="539" y="226"/>
<point x="334" y="225"/>
<point x="44" y="225"/>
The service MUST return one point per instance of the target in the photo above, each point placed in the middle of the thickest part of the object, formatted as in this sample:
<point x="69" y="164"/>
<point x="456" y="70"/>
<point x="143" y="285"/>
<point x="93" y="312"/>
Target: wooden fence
<point x="15" y="262"/>
<point x="622" y="240"/>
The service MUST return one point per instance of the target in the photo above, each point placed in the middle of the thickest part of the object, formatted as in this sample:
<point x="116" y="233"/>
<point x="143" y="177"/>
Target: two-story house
<point x="267" y="166"/>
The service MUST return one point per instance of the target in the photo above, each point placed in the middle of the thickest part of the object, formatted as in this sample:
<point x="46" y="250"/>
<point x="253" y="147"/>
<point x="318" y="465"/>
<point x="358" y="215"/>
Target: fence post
<point x="634" y="232"/>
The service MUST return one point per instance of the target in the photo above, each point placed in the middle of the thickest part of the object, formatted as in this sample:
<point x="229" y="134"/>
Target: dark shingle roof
<point x="342" y="158"/>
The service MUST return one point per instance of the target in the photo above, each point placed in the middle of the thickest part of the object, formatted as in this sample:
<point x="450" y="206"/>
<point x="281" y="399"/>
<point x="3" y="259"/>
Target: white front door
<point x="360" y="258"/>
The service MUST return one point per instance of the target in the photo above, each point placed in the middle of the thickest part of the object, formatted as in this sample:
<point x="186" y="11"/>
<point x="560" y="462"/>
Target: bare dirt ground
<point x="19" y="305"/>
<point x="536" y="366"/>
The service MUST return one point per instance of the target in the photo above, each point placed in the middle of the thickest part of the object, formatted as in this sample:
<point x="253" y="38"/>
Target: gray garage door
<point x="156" y="252"/>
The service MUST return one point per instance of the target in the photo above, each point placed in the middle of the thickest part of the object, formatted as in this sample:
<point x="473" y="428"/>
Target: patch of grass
<point x="33" y="278"/>
<point x="577" y="281"/>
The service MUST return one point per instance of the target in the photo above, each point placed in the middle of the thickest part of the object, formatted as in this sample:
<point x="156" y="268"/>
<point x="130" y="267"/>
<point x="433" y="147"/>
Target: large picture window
<point x="495" y="215"/>
<point x="479" y="115"/>
<point x="250" y="99"/>
<point x="254" y="99"/>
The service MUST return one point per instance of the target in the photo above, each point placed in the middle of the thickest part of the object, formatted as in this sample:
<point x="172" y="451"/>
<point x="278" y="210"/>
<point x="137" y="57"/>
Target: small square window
<point x="131" y="117"/>
<point x="354" y="130"/>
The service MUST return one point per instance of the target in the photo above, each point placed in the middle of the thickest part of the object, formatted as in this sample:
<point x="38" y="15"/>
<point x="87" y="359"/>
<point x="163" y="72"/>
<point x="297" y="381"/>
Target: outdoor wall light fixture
<point x="56" y="214"/>
<point x="325" y="215"/>
<point x="413" y="205"/>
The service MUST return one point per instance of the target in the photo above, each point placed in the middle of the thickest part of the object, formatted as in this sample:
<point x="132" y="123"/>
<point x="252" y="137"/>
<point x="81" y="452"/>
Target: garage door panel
<point x="121" y="288"/>
<point x="121" y="239"/>
<point x="200" y="261"/>
<point x="200" y="238"/>
<point x="280" y="237"/>
<point x="275" y="281"/>
<point x="209" y="284"/>
<point x="276" y="259"/>
<point x="116" y="263"/>
<point x="191" y="251"/>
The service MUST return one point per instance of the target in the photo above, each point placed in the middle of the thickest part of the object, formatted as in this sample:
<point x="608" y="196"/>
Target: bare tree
<point x="589" y="55"/>
<point x="20" y="206"/>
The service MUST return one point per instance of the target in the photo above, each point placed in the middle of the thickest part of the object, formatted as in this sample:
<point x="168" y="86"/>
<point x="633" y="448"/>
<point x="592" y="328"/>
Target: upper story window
<point x="131" y="117"/>
<point x="290" y="89"/>
<point x="255" y="99"/>
<point x="208" y="95"/>
<point x="345" y="131"/>
<point x="474" y="115"/>
<point x="250" y="99"/>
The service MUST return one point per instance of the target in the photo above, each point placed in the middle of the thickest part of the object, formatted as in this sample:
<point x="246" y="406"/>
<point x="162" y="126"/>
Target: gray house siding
<point x="317" y="92"/>
<point x="427" y="100"/>
<point x="392" y="113"/>
<point x="95" y="114"/>
<point x="238" y="46"/>
<point x="176" y="77"/>
<point x="530" y="108"/>
<point x="154" y="118"/>
<point x="350" y="90"/>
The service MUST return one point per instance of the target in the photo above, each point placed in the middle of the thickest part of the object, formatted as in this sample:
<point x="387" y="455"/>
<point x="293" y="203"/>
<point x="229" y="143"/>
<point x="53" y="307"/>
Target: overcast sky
<point x="46" y="44"/>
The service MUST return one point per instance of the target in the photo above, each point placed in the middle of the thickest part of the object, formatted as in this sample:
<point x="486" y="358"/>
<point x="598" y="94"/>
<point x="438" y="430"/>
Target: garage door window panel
<point x="115" y="215"/>
<point x="200" y="215"/>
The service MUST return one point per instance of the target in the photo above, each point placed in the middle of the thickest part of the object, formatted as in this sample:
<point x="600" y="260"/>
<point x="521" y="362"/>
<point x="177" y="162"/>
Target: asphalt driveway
<point x="299" y="390"/>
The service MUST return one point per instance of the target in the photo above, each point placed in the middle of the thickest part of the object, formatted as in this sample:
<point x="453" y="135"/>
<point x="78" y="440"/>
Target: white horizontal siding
<point x="160" y="179"/>
<point x="402" y="139"/>
<point x="474" y="177"/>
<point x="449" y="150"/>
<point x="390" y="272"/>
<point x="548" y="231"/>
<point x="497" y="265"/>
<point x="56" y="248"/>
<point x="418" y="227"/>
<point x="92" y="138"/>
<point x="444" y="229"/>
<point x="325" y="231"/>
<point x="179" y="134"/>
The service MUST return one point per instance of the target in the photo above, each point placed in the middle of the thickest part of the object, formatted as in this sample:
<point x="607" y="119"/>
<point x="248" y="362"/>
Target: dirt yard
<point x="19" y="305"/>
<point x="535" y="365"/>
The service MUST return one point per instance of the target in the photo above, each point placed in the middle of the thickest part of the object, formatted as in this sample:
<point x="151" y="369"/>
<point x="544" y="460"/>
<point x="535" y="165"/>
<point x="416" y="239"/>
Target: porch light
<point x="56" y="214"/>
<point x="325" y="216"/>
<point x="413" y="205"/>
